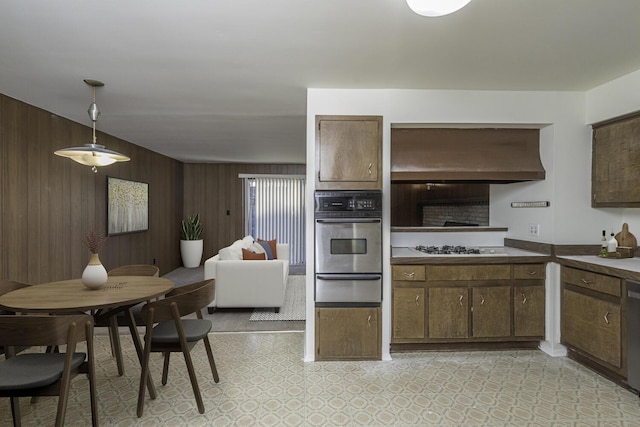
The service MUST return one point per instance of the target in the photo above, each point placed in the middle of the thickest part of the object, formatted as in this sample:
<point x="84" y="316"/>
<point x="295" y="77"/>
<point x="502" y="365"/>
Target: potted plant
<point x="191" y="244"/>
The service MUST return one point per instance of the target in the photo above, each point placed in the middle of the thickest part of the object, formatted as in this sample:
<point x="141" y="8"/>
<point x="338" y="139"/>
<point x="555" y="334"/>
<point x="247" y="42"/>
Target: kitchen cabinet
<point x="491" y="311"/>
<point x="452" y="304"/>
<point x="591" y="320"/>
<point x="448" y="312"/>
<point x="615" y="163"/>
<point x="348" y="153"/>
<point x="348" y="333"/>
<point x="529" y="300"/>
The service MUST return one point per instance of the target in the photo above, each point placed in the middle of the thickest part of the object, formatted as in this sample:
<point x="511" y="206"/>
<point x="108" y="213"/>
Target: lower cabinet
<point x="348" y="333"/>
<point x="591" y="321"/>
<point x="444" y="304"/>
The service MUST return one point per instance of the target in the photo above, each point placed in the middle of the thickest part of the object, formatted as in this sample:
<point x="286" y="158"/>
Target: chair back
<point x="44" y="330"/>
<point x="7" y="286"/>
<point x="187" y="299"/>
<point x="136" y="270"/>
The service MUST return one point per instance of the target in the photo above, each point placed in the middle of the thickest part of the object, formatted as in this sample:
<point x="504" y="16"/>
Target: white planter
<point x="191" y="252"/>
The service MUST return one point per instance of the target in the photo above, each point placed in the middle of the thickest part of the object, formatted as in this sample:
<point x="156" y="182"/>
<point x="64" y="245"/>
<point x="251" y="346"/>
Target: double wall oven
<point x="348" y="248"/>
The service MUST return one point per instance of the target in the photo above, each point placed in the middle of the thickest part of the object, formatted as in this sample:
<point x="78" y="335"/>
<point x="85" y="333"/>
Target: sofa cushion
<point x="272" y="244"/>
<point x="249" y="255"/>
<point x="256" y="247"/>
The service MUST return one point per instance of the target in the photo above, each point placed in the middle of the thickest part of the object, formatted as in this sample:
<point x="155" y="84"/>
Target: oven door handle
<point x="349" y="277"/>
<point x="350" y="220"/>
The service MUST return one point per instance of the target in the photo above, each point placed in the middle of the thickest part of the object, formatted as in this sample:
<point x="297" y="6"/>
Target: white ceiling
<point x="225" y="80"/>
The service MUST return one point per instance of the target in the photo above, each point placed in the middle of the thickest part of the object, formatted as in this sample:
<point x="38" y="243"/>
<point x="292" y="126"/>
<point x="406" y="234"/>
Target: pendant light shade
<point x="94" y="155"/>
<point x="433" y="8"/>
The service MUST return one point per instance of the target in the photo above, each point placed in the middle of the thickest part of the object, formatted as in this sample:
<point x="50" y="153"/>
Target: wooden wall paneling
<point x="48" y="203"/>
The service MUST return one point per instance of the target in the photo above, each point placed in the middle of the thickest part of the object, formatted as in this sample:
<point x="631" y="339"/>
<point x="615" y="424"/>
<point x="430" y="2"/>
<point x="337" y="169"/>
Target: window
<point x="275" y="210"/>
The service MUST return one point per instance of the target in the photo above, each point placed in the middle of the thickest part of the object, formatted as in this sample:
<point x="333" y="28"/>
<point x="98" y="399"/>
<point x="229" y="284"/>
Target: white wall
<point x="565" y="153"/>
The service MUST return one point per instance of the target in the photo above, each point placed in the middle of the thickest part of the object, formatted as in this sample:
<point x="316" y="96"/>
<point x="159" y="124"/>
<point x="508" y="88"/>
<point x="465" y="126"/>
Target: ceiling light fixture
<point x="433" y="8"/>
<point x="93" y="154"/>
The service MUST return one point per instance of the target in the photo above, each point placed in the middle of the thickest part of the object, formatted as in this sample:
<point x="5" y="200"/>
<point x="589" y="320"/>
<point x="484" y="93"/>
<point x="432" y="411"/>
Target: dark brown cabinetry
<point x="440" y="304"/>
<point x="592" y="317"/>
<point x="348" y="152"/>
<point x="349" y="333"/>
<point x="615" y="159"/>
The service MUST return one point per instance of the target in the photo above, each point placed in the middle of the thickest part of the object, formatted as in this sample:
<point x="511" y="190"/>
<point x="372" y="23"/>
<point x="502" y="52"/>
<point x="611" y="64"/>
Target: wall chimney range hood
<point x="465" y="155"/>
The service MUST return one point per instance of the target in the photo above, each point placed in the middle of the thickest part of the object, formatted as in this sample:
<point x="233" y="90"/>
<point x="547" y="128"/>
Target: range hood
<point x="465" y="155"/>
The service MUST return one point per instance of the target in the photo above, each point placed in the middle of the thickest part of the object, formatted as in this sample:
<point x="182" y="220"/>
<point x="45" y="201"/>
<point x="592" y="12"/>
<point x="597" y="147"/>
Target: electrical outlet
<point x="534" y="230"/>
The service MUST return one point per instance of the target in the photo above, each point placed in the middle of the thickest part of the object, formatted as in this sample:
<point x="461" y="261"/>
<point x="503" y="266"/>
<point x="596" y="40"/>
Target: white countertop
<point x="628" y="264"/>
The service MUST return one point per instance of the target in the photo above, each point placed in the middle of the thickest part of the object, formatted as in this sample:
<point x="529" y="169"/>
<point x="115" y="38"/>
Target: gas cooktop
<point x="455" y="250"/>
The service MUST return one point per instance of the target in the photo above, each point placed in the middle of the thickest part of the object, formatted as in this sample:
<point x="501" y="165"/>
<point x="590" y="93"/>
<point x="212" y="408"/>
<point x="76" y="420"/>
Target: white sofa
<point x="248" y="283"/>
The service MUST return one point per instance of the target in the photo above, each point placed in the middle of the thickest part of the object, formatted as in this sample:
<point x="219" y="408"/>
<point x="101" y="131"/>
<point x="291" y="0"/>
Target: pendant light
<point x="94" y="155"/>
<point x="433" y="8"/>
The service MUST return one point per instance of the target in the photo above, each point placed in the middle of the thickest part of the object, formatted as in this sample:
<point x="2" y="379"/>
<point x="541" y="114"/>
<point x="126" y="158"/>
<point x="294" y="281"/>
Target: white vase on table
<point x="94" y="275"/>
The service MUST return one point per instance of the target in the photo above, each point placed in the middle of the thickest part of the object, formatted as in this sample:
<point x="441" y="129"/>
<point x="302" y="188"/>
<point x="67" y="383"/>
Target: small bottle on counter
<point x="605" y="244"/>
<point x="612" y="246"/>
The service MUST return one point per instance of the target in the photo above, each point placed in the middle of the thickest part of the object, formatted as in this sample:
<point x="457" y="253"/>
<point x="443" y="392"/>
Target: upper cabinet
<point x="616" y="163"/>
<point x="348" y="152"/>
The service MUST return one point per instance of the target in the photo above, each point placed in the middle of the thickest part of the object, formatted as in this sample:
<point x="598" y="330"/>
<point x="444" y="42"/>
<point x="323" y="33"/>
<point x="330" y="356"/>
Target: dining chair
<point x="167" y="332"/>
<point x="120" y="319"/>
<point x="7" y="286"/>
<point x="46" y="374"/>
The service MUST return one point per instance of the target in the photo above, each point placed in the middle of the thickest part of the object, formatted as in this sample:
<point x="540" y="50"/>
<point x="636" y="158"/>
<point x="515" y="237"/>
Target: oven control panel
<point x="336" y="204"/>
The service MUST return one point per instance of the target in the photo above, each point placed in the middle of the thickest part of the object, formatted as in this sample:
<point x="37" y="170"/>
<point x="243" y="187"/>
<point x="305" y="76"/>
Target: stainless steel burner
<point x="448" y="250"/>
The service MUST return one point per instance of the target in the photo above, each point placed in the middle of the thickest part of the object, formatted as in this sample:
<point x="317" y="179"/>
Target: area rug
<point x="294" y="303"/>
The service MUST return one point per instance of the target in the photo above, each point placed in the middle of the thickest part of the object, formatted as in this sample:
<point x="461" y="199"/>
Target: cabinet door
<point x="348" y="333"/>
<point x="409" y="313"/>
<point x="491" y="312"/>
<point x="528" y="311"/>
<point x="592" y="325"/>
<point x="448" y="312"/>
<point x="615" y="159"/>
<point x="348" y="152"/>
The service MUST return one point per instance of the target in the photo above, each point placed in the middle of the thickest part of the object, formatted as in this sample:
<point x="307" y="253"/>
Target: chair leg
<point x="192" y="377"/>
<point x="212" y="362"/>
<point x="165" y="367"/>
<point x="138" y="345"/>
<point x="116" y="348"/>
<point x="15" y="411"/>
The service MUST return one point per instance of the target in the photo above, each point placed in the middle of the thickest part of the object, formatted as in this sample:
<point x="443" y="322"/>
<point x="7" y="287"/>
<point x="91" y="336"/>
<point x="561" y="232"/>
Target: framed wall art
<point x="127" y="206"/>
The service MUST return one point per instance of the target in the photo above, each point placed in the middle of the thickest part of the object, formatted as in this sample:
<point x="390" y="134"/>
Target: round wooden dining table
<point x="119" y="294"/>
<point x="71" y="295"/>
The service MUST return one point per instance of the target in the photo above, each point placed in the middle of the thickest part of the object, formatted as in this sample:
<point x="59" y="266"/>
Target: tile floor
<point x="264" y="382"/>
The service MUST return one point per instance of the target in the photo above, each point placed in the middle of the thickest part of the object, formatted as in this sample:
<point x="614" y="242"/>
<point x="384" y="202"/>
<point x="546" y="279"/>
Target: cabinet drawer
<point x="469" y="272"/>
<point x="594" y="281"/>
<point x="529" y="271"/>
<point x="408" y="272"/>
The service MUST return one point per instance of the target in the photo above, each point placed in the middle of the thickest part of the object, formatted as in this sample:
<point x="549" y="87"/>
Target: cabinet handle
<point x="532" y="273"/>
<point x="606" y="318"/>
<point x="481" y="299"/>
<point x="524" y="299"/>
<point x="586" y="282"/>
<point x="409" y="274"/>
<point x="417" y="299"/>
<point x="369" y="169"/>
<point x="369" y="320"/>
<point x="460" y="299"/>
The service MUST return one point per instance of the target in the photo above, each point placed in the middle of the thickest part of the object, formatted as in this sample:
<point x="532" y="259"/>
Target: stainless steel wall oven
<point x="348" y="248"/>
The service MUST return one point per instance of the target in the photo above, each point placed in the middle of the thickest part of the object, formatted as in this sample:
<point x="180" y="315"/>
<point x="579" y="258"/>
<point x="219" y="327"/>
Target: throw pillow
<point x="257" y="248"/>
<point x="248" y="255"/>
<point x="272" y="245"/>
<point x="266" y="249"/>
<point x="247" y="241"/>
